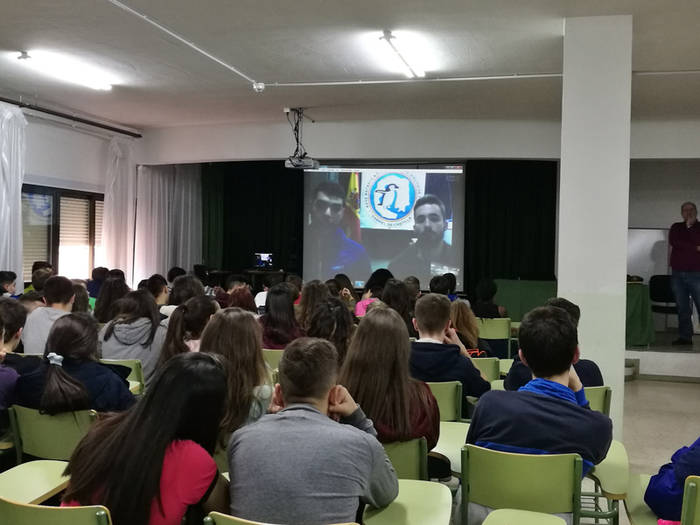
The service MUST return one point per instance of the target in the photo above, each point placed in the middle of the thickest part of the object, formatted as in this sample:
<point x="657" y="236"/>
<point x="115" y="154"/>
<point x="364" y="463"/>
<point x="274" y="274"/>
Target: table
<point x="33" y="482"/>
<point x="453" y="436"/>
<point x="418" y="503"/>
<point x="613" y="472"/>
<point x="640" y="321"/>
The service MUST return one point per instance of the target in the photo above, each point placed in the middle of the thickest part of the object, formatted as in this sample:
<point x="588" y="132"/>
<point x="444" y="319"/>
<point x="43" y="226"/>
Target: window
<point x="63" y="227"/>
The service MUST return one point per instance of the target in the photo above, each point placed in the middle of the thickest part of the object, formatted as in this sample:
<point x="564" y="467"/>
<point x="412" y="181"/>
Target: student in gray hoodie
<point x="59" y="297"/>
<point x="135" y="332"/>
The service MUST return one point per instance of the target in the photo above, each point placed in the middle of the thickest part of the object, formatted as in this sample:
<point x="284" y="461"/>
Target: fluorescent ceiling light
<point x="67" y="69"/>
<point x="402" y="50"/>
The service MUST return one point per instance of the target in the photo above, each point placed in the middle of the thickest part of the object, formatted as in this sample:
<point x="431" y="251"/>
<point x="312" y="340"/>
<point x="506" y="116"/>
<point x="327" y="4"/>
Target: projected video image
<point x="360" y="219"/>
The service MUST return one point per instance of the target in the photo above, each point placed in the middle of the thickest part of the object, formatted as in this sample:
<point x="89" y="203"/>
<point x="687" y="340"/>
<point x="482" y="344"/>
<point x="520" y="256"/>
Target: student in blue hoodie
<point x="438" y="354"/>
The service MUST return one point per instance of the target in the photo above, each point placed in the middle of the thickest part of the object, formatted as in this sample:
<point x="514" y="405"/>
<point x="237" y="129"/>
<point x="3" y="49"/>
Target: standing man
<point x="330" y="251"/>
<point x="684" y="239"/>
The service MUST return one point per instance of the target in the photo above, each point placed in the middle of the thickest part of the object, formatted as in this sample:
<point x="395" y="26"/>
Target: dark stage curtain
<point x="511" y="220"/>
<point x="252" y="207"/>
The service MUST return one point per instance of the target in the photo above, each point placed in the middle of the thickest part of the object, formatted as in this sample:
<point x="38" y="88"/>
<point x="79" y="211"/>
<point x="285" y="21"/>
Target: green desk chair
<point x="23" y="514"/>
<point x="216" y="518"/>
<point x="497" y="385"/>
<point x="521" y="517"/>
<point x="599" y="398"/>
<point x="137" y="385"/>
<point x="638" y="513"/>
<point x="547" y="483"/>
<point x="690" y="515"/>
<point x="488" y="366"/>
<point x="48" y="437"/>
<point x="409" y="458"/>
<point x="448" y="395"/>
<point x="504" y="366"/>
<point x="33" y="482"/>
<point x="418" y="503"/>
<point x="272" y="357"/>
<point x="453" y="436"/>
<point x="496" y="330"/>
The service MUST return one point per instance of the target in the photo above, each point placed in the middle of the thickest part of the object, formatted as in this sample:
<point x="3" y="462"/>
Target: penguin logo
<point x="392" y="197"/>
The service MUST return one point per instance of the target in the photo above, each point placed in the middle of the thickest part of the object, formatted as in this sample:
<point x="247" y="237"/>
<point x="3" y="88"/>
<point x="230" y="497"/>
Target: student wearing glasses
<point x="330" y="249"/>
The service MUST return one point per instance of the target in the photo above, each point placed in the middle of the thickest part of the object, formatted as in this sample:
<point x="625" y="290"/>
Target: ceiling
<point x="165" y="83"/>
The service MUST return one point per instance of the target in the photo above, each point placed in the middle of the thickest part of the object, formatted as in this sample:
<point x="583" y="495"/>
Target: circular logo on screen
<point x="392" y="197"/>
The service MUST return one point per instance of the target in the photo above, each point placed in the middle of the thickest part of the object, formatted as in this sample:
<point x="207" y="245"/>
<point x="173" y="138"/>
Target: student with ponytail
<point x="71" y="378"/>
<point x="186" y="325"/>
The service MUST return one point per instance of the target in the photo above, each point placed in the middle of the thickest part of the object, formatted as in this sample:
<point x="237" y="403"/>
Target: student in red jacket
<point x="376" y="373"/>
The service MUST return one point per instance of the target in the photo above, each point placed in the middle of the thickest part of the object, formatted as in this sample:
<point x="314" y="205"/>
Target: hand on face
<point x="340" y="402"/>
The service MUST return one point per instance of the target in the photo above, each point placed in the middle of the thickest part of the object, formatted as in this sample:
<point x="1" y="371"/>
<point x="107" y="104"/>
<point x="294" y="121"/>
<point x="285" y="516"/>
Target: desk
<point x="418" y="503"/>
<point x="640" y="322"/>
<point x="453" y="436"/>
<point x="613" y="472"/>
<point x="33" y="482"/>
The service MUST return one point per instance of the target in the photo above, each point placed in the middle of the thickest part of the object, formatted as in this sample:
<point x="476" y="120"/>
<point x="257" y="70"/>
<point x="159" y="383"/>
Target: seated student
<point x="452" y="286"/>
<point x="587" y="371"/>
<point x="158" y="286"/>
<point x="32" y="300"/>
<point x="174" y="273"/>
<point x="396" y="296"/>
<point x="233" y="282"/>
<point x="8" y="287"/>
<point x="113" y="289"/>
<point x="81" y="303"/>
<point x="372" y="290"/>
<point x="318" y="469"/>
<point x="439" y="355"/>
<point x="71" y="378"/>
<point x="268" y="282"/>
<point x="135" y="332"/>
<point x="347" y="290"/>
<point x="467" y="327"/>
<point x="99" y="276"/>
<point x="236" y="335"/>
<point x="333" y="322"/>
<point x="152" y="464"/>
<point x="12" y="318"/>
<point x="413" y="285"/>
<point x="279" y="323"/>
<point x="242" y="298"/>
<point x="58" y="295"/>
<point x="484" y="306"/>
<point x="186" y="326"/>
<point x="550" y="414"/>
<point x="41" y="277"/>
<point x="664" y="494"/>
<point x="314" y="293"/>
<point x="184" y="287"/>
<point x="439" y="284"/>
<point x="295" y="281"/>
<point x="376" y="373"/>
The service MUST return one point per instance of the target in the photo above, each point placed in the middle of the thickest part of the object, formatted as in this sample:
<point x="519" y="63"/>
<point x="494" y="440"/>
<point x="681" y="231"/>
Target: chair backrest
<point x="497" y="385"/>
<point x="410" y="458"/>
<point x="21" y="514"/>
<point x="498" y="328"/>
<point x="599" y="398"/>
<point x="48" y="437"/>
<point x="690" y="515"/>
<point x="660" y="289"/>
<point x="549" y="483"/>
<point x="216" y="518"/>
<point x="136" y="374"/>
<point x="272" y="357"/>
<point x="448" y="395"/>
<point x="488" y="366"/>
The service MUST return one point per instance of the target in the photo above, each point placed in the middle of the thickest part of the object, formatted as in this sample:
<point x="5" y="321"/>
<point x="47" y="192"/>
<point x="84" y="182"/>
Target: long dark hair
<point x="184" y="287"/>
<point x="395" y="295"/>
<point x="119" y="462"/>
<point x="186" y="322"/>
<point x="279" y="321"/>
<point x="313" y="294"/>
<point x="111" y="291"/>
<point x="377" y="281"/>
<point x="344" y="282"/>
<point x="74" y="338"/>
<point x="131" y="307"/>
<point x="332" y="321"/>
<point x="235" y="334"/>
<point x="376" y="370"/>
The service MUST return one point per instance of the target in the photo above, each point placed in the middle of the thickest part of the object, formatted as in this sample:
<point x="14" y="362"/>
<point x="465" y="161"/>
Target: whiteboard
<point x="647" y="252"/>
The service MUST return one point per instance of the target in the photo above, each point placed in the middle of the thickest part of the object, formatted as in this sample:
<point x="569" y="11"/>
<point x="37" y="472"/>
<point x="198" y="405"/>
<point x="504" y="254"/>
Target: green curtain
<point x="511" y="220"/>
<point x="252" y="207"/>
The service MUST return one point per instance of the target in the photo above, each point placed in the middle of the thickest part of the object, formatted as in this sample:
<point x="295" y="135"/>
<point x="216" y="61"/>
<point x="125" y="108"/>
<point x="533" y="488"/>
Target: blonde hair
<point x="464" y="321"/>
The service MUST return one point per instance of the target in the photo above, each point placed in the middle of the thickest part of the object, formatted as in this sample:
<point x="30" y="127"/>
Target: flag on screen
<point x="351" y="218"/>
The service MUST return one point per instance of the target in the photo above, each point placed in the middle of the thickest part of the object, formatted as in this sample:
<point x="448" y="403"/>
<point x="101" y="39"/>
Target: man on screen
<point x="430" y="249"/>
<point x="330" y="250"/>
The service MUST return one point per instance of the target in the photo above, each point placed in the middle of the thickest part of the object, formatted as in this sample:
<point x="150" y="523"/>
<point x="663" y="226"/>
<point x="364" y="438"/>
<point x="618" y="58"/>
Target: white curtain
<point x="12" y="157"/>
<point x="119" y="208"/>
<point x="168" y="219"/>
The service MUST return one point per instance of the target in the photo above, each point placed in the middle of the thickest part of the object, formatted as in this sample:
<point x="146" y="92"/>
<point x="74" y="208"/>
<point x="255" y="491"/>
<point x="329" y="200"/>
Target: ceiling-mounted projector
<point x="302" y="163"/>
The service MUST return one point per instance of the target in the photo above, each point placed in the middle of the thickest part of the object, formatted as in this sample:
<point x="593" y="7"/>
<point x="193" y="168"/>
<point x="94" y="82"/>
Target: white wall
<point x="658" y="188"/>
<point x="62" y="157"/>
